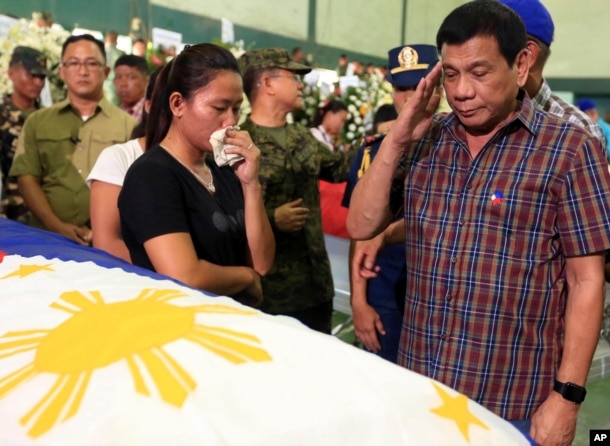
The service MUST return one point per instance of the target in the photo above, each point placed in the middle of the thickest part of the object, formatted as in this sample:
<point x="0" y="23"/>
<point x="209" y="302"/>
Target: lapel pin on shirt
<point x="496" y="198"/>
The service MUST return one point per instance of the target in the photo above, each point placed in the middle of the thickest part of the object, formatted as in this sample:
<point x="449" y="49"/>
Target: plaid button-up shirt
<point x="486" y="241"/>
<point x="553" y="104"/>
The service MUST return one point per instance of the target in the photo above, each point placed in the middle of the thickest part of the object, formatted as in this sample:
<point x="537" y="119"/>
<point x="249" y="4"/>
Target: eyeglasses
<point x="295" y="77"/>
<point x="90" y="65"/>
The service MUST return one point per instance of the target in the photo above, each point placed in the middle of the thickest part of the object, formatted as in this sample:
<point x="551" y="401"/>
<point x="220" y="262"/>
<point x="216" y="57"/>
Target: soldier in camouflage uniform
<point x="27" y="72"/>
<point x="292" y="161"/>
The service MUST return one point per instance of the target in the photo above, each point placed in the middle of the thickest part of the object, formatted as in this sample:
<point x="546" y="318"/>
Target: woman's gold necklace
<point x="208" y="185"/>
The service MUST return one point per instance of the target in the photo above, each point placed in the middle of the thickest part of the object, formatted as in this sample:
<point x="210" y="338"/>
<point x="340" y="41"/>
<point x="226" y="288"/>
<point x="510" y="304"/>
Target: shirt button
<point x="453" y="259"/>
<point x="80" y="170"/>
<point x="469" y="186"/>
<point x="444" y="337"/>
<point x="448" y="297"/>
<point x="461" y="222"/>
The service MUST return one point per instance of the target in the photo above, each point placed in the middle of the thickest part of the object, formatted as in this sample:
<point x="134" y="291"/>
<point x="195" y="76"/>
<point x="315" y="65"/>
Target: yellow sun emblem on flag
<point x="99" y="334"/>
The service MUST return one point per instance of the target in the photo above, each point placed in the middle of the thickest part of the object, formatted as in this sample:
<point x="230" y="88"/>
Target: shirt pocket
<point x="522" y="210"/>
<point x="55" y="148"/>
<point x="92" y="143"/>
<point x="307" y="161"/>
<point x="276" y="182"/>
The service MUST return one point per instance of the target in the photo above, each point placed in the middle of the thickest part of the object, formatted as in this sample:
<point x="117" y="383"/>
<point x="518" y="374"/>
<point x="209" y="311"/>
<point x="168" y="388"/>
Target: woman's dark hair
<point x="333" y="105"/>
<point x="484" y="18"/>
<point x="194" y="68"/>
<point x="140" y="129"/>
<point x="385" y="113"/>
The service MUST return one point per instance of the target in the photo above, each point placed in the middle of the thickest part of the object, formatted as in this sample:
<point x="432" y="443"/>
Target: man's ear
<point x="266" y="84"/>
<point x="522" y="65"/>
<point x="533" y="50"/>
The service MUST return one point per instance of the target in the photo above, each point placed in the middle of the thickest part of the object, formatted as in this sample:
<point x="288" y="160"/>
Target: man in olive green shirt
<point x="59" y="145"/>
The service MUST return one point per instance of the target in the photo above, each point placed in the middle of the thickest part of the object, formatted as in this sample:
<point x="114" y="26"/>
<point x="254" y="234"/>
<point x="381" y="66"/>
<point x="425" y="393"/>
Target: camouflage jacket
<point x="11" y="122"/>
<point x="301" y="277"/>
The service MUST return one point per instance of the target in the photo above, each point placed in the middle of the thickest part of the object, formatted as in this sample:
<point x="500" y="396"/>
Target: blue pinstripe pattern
<point x="486" y="281"/>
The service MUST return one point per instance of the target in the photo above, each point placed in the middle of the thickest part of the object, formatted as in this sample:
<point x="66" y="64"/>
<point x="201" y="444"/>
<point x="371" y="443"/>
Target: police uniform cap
<point x="408" y="64"/>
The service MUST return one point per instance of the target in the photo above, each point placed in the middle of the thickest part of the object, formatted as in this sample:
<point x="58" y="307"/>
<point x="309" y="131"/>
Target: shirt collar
<point x="543" y="96"/>
<point x="136" y="109"/>
<point x="102" y="105"/>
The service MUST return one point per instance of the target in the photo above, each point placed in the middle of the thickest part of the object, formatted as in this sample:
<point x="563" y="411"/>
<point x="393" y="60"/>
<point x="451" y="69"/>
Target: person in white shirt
<point x="328" y="123"/>
<point x="106" y="180"/>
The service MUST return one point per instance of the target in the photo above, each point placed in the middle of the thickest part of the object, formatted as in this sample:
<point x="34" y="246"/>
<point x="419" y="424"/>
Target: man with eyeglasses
<point x="300" y="283"/>
<point x="59" y="145"/>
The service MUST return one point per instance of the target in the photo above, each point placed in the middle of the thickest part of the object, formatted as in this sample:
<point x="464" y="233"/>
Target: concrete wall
<point x="582" y="34"/>
<point x="362" y="28"/>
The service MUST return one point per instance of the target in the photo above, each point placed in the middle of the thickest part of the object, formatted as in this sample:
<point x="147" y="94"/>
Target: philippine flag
<point x="496" y="198"/>
<point x="94" y="350"/>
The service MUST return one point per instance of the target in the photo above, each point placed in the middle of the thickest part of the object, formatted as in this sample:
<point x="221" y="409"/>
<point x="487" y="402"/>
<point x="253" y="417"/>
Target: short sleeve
<point x="111" y="166"/>
<point x="27" y="157"/>
<point x="583" y="216"/>
<point x="151" y="202"/>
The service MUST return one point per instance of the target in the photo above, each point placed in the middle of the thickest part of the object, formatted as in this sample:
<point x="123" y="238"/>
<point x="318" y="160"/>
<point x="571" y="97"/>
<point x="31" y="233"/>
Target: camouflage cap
<point x="32" y="60"/>
<point x="269" y="58"/>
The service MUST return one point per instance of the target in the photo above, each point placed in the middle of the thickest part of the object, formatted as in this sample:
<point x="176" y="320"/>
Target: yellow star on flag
<point x="26" y="270"/>
<point x="455" y="408"/>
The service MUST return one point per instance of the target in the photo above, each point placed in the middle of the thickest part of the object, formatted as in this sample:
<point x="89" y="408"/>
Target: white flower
<point x="351" y="127"/>
<point x="349" y="136"/>
<point x="358" y="120"/>
<point x="352" y="108"/>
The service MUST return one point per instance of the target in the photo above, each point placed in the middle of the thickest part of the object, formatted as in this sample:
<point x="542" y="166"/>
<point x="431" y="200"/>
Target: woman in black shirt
<point x="181" y="214"/>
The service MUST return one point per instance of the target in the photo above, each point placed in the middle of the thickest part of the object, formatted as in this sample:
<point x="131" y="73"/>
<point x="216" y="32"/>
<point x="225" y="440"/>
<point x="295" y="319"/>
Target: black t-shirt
<point x="161" y="196"/>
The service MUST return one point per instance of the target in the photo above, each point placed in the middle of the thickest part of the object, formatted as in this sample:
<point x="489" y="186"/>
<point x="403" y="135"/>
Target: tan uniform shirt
<point x="58" y="147"/>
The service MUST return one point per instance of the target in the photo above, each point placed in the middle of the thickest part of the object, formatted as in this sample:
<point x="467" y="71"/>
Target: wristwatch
<point x="570" y="391"/>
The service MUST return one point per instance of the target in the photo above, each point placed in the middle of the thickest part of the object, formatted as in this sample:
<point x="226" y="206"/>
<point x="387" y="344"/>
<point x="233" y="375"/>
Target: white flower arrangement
<point x="46" y="40"/>
<point x="361" y="102"/>
<point x="312" y="100"/>
<point x="353" y="99"/>
<point x="237" y="48"/>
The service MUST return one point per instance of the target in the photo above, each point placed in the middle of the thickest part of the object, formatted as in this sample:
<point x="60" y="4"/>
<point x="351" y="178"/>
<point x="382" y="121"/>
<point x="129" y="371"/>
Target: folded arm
<point x="174" y="255"/>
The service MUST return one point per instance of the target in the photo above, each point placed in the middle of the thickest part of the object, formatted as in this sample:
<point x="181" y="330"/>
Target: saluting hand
<point x="416" y="114"/>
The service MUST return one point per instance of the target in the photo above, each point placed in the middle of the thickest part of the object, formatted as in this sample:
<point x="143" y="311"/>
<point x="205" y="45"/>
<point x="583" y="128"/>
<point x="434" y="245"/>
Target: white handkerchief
<point x="217" y="141"/>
